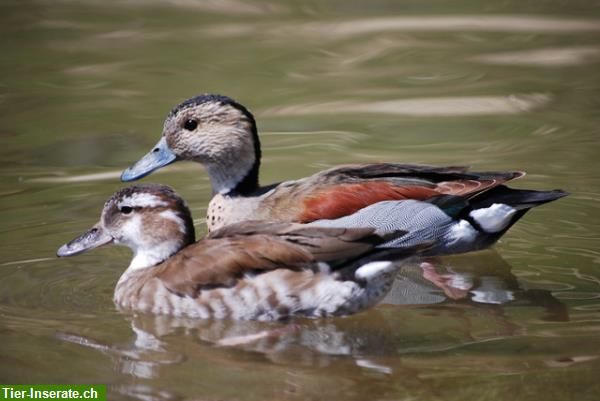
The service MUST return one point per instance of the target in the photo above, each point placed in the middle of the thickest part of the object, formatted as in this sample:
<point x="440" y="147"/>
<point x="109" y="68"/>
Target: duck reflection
<point x="458" y="292"/>
<point x="452" y="286"/>
<point x="483" y="278"/>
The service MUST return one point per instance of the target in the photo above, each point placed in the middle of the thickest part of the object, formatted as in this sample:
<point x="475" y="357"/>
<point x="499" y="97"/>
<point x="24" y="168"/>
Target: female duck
<point x="252" y="270"/>
<point x="221" y="134"/>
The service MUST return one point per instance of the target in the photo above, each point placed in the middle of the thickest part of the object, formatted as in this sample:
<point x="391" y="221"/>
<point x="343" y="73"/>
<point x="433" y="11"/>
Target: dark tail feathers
<point x="520" y="199"/>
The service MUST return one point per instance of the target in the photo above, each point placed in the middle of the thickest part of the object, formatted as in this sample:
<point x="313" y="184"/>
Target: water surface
<point x="84" y="88"/>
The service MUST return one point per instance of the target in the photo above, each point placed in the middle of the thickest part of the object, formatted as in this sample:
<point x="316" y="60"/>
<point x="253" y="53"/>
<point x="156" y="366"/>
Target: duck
<point x="221" y="134"/>
<point x="251" y="270"/>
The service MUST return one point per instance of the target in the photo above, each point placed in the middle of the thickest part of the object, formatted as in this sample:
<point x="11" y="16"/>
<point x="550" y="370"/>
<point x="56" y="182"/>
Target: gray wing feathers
<point x="423" y="221"/>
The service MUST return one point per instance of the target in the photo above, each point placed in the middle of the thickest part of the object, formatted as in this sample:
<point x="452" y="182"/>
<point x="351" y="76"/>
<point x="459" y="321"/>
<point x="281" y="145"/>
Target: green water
<point x="84" y="87"/>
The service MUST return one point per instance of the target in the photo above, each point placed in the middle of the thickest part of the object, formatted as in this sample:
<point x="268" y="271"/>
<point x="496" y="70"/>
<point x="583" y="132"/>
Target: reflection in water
<point x="107" y="175"/>
<point x="464" y="289"/>
<point x="471" y="280"/>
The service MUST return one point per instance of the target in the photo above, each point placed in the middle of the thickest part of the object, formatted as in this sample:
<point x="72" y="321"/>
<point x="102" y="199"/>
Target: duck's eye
<point x="126" y="209"/>
<point x="190" y="125"/>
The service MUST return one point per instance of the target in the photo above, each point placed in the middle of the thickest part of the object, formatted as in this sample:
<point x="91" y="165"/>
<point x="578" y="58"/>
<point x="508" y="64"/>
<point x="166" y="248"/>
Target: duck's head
<point x="150" y="219"/>
<point x="213" y="130"/>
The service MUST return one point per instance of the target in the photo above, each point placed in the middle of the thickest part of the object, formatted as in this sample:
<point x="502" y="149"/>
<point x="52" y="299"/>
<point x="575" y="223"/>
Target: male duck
<point x="251" y="270"/>
<point x="221" y="134"/>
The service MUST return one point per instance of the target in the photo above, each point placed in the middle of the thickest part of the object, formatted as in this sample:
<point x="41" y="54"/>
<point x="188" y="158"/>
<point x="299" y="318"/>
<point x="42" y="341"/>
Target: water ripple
<point x="209" y="6"/>
<point x="106" y="175"/>
<point x="554" y="57"/>
<point x="442" y="106"/>
<point x="356" y="27"/>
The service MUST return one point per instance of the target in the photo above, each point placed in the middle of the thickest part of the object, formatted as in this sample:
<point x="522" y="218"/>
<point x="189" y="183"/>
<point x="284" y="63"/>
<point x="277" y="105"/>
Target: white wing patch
<point x="462" y="231"/>
<point x="324" y="267"/>
<point x="495" y="218"/>
<point x="373" y="269"/>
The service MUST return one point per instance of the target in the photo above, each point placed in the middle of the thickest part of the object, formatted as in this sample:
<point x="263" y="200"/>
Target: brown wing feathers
<point x="229" y="253"/>
<point x="386" y="170"/>
<point x="347" y="189"/>
<point x="345" y="199"/>
<point x="220" y="263"/>
<point x="471" y="187"/>
<point x="329" y="244"/>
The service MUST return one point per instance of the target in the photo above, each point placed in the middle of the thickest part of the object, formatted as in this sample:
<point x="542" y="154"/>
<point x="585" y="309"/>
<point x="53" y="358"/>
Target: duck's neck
<point x="236" y="173"/>
<point x="240" y="178"/>
<point x="151" y="256"/>
<point x="152" y="253"/>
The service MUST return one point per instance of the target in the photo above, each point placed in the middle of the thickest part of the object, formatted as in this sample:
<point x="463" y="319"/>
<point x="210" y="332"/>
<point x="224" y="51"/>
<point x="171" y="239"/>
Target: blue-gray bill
<point x="93" y="238"/>
<point x="158" y="157"/>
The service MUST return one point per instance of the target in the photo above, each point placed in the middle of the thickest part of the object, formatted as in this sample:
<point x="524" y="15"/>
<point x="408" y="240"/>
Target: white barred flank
<point x="269" y="296"/>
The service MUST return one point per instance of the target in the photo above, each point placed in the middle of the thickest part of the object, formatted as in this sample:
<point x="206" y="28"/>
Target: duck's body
<point x="251" y="270"/>
<point x="272" y="295"/>
<point x="222" y="135"/>
<point x="344" y="190"/>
